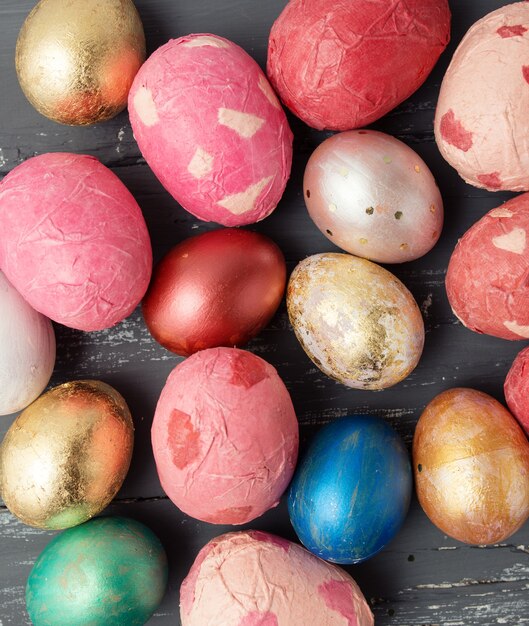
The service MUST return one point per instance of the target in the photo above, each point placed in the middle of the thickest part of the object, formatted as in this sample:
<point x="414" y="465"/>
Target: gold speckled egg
<point x="76" y="59"/>
<point x="355" y="320"/>
<point x="65" y="457"/>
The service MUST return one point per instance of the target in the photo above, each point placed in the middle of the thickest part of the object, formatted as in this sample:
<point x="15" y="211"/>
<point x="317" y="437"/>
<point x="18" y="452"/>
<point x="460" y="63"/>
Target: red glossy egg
<point x="217" y="289"/>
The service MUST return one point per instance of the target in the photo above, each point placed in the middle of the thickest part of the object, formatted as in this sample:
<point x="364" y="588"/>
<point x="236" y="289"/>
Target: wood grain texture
<point x="422" y="578"/>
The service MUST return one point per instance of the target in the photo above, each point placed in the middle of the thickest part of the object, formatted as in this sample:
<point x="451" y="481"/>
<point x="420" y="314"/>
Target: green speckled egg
<point x="110" y="571"/>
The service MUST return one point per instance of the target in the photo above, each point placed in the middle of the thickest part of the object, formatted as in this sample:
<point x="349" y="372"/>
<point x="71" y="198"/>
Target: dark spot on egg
<point x="329" y="232"/>
<point x="370" y="210"/>
<point x="308" y="193"/>
<point x="398" y="215"/>
<point x="419" y="467"/>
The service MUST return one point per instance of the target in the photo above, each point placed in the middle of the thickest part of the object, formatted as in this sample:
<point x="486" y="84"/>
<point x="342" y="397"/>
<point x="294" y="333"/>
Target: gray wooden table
<point x="423" y="578"/>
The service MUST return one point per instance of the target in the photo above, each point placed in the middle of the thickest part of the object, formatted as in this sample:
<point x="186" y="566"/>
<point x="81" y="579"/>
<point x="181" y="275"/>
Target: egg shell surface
<point x="225" y="436"/>
<point x="345" y="64"/>
<point x="257" y="579"/>
<point x="481" y="122"/>
<point x="74" y="242"/>
<point x="352" y="489"/>
<point x="110" y="571"/>
<point x="517" y="389"/>
<point x="486" y="279"/>
<point x="471" y="464"/>
<point x="27" y="357"/>
<point x="355" y="320"/>
<point x="211" y="128"/>
<point x="373" y="196"/>
<point x="220" y="288"/>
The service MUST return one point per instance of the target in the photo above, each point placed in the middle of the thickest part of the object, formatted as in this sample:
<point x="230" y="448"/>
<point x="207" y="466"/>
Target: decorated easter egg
<point x="65" y="457"/>
<point x="76" y="60"/>
<point x="355" y="320"/>
<point x="217" y="289"/>
<point x="74" y="242"/>
<point x="517" y="389"/>
<point x="343" y="65"/>
<point x="486" y="278"/>
<point x="373" y="196"/>
<point x="236" y="577"/>
<point x="210" y="126"/>
<point x="352" y="489"/>
<point x="225" y="436"/>
<point x="27" y="356"/>
<point x="480" y="122"/>
<point x="471" y="463"/>
<point x="110" y="571"/>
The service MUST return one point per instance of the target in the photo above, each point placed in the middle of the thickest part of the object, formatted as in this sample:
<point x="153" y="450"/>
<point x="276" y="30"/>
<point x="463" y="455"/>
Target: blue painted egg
<point x="352" y="490"/>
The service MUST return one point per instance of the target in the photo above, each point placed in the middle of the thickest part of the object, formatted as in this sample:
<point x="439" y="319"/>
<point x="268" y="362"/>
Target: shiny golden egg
<point x="65" y="457"/>
<point x="76" y="59"/>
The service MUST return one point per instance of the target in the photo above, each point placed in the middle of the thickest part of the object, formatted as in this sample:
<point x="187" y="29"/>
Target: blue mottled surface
<point x="352" y="489"/>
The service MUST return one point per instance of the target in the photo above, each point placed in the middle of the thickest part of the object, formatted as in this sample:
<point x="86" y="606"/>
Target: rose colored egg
<point x="257" y="579"/>
<point x="27" y="356"/>
<point x="471" y="462"/>
<point x="217" y="289"/>
<point x="225" y="436"/>
<point x="516" y="389"/>
<point x="373" y="196"/>
<point x="355" y="320"/>
<point x="486" y="281"/>
<point x="343" y="65"/>
<point x="481" y="118"/>
<point x="74" y="242"/>
<point x="211" y="128"/>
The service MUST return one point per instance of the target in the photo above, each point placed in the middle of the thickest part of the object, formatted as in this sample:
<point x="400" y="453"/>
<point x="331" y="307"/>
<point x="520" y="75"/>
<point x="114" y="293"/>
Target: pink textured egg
<point x="225" y="436"/>
<point x="486" y="280"/>
<point x="516" y="389"/>
<point x="373" y="196"/>
<point x="257" y="579"/>
<point x="74" y="242"/>
<point x="210" y="126"/>
<point x="481" y="120"/>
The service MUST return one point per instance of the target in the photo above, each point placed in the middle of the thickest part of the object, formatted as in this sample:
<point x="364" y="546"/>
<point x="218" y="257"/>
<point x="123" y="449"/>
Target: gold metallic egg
<point x="65" y="457"/>
<point x="76" y="59"/>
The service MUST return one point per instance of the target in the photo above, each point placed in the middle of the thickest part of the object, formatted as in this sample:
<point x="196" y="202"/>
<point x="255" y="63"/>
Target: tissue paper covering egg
<point x="27" y="356"/>
<point x="110" y="571"/>
<point x="342" y="65"/>
<point x="74" y="242"/>
<point x="471" y="463"/>
<point x="481" y="122"/>
<point x="217" y="289"/>
<point x="373" y="196"/>
<point x="76" y="60"/>
<point x="355" y="320"/>
<point x="65" y="457"/>
<point x="257" y="579"/>
<point x="517" y="389"/>
<point x="486" y="281"/>
<point x="352" y="489"/>
<point x="210" y="126"/>
<point x="225" y="436"/>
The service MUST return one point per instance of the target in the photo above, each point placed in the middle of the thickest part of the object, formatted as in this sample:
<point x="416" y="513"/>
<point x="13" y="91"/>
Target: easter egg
<point x="471" y="463"/>
<point x="76" y="60"/>
<point x="258" y="579"/>
<point x="352" y="489"/>
<point x="74" y="242"/>
<point x="373" y="196"/>
<point x="225" y="436"/>
<point x="217" y="289"/>
<point x="110" y="571"/>
<point x="27" y="357"/>
<point x="486" y="281"/>
<point x="343" y="65"/>
<point x="480" y="121"/>
<point x="355" y="320"/>
<point x="517" y="389"/>
<point x="65" y="457"/>
<point x="211" y="128"/>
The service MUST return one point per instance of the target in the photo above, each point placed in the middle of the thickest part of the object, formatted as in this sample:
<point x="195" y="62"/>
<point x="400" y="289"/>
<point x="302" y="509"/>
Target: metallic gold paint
<point x="65" y="457"/>
<point x="76" y="59"/>
<point x="471" y="464"/>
